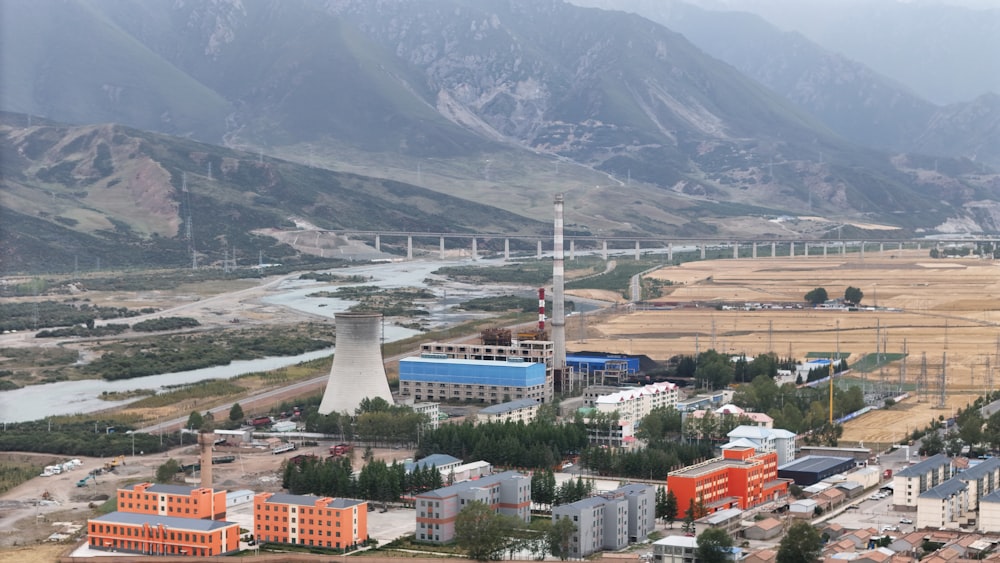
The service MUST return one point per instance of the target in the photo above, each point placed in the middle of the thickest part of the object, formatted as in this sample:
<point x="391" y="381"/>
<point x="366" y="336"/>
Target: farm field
<point x="944" y="310"/>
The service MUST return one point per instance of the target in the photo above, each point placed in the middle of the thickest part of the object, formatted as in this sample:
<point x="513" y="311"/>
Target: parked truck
<point x="340" y="449"/>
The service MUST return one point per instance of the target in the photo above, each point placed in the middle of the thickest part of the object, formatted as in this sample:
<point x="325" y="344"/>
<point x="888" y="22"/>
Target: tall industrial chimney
<point x="357" y="370"/>
<point x="206" y="441"/>
<point x="558" y="275"/>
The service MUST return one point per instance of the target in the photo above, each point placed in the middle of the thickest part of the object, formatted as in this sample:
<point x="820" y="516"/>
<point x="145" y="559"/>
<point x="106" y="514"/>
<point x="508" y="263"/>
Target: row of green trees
<point x="94" y="437"/>
<point x="49" y="314"/>
<point x="545" y="492"/>
<point x="798" y="409"/>
<point x="187" y="352"/>
<point x="538" y="444"/>
<point x="376" y="481"/>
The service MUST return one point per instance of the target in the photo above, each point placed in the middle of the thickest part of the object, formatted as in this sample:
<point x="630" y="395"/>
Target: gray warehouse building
<point x="812" y="469"/>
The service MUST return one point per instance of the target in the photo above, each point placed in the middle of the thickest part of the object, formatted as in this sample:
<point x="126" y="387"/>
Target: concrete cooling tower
<point x="357" y="371"/>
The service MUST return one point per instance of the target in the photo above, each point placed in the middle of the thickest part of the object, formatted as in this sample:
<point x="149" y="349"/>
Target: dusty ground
<point x="27" y="517"/>
<point x="936" y="307"/>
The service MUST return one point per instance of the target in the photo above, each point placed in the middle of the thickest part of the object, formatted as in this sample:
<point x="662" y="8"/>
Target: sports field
<point x="943" y="312"/>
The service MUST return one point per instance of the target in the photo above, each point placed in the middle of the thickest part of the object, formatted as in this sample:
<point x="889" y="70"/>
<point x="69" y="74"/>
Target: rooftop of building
<point x="310" y="500"/>
<point x="992" y="497"/>
<point x="945" y="489"/>
<point x="509" y="406"/>
<point x="815" y="463"/>
<point x="480" y="483"/>
<point x="709" y="466"/>
<point x="433" y="460"/>
<point x="634" y="488"/>
<point x="175" y="522"/>
<point x="929" y="464"/>
<point x="170" y="489"/>
<point x="465" y="362"/>
<point x="759" y="432"/>
<point x="980" y="469"/>
<point x="678" y="541"/>
<point x="722" y="516"/>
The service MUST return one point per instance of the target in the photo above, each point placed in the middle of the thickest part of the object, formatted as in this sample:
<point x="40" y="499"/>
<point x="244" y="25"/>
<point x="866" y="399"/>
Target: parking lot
<point x="875" y="511"/>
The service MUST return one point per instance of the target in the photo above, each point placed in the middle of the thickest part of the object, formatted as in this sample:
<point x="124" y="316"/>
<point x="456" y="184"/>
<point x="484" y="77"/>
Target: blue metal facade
<point x="472" y="372"/>
<point x="590" y="364"/>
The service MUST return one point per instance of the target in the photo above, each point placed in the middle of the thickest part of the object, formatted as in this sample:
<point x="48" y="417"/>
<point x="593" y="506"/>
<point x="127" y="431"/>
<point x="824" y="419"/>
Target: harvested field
<point x="935" y="308"/>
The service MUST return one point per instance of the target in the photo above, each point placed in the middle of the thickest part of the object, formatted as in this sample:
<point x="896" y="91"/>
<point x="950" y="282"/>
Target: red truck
<point x="340" y="449"/>
<point x="261" y="421"/>
<point x="887" y="474"/>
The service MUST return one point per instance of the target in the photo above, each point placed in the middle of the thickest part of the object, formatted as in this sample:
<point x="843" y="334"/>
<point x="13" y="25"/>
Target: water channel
<point x="35" y="402"/>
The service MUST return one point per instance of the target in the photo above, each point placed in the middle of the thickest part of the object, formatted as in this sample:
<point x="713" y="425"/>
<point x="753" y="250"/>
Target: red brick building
<point x="155" y="534"/>
<point x="310" y="520"/>
<point x="173" y="500"/>
<point x="741" y="478"/>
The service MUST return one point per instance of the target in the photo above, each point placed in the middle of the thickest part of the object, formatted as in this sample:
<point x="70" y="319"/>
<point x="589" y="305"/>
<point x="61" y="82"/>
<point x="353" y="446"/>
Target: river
<point x="35" y="402"/>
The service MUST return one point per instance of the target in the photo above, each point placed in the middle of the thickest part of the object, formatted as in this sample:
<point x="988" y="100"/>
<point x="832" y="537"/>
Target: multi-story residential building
<point x="310" y="520"/>
<point x="982" y="479"/>
<point x="741" y="478"/>
<point x="601" y="523"/>
<point x="433" y="413"/>
<point x="641" y="510"/>
<point x="764" y="439"/>
<point x="909" y="483"/>
<point x="521" y="410"/>
<point x="989" y="513"/>
<point x="173" y="500"/>
<point x="156" y="534"/>
<point x="433" y="376"/>
<point x="507" y="493"/>
<point x="942" y="505"/>
<point x="634" y="403"/>
<point x="537" y="351"/>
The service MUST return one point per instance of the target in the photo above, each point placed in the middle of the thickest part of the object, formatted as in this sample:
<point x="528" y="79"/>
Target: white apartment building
<point x="909" y="483"/>
<point x="943" y="505"/>
<point x="764" y="439"/>
<point x="634" y="403"/>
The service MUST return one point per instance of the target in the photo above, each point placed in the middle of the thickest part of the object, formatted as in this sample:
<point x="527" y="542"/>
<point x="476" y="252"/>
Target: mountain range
<point x="499" y="104"/>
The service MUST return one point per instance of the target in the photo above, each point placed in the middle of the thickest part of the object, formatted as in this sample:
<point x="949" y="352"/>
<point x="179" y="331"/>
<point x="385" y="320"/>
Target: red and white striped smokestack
<point x="541" y="309"/>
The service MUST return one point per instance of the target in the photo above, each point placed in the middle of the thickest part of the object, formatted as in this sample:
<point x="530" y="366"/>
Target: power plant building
<point x="537" y="351"/>
<point x="485" y="381"/>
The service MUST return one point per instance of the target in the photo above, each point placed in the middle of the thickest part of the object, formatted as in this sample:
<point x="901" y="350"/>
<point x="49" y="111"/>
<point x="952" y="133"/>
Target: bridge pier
<point x="538" y="250"/>
<point x="637" y="252"/>
<point x="920" y="246"/>
<point x="843" y="248"/>
<point x="736" y="250"/>
<point x="753" y="252"/>
<point x="572" y="249"/>
<point x="442" y="248"/>
<point x="702" y="251"/>
<point x="900" y="246"/>
<point x="506" y="249"/>
<point x="475" y="253"/>
<point x="881" y="247"/>
<point x="824" y="250"/>
<point x="806" y="248"/>
<point x="670" y="252"/>
<point x="774" y="248"/>
<point x="791" y="249"/>
<point x="604" y="250"/>
<point x="409" y="248"/>
<point x="862" y="250"/>
<point x="378" y="243"/>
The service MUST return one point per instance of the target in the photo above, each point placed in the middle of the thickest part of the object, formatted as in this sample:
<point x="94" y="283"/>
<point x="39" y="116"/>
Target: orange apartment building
<point x="741" y="478"/>
<point x="310" y="520"/>
<point x="162" y="535"/>
<point x="173" y="500"/>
